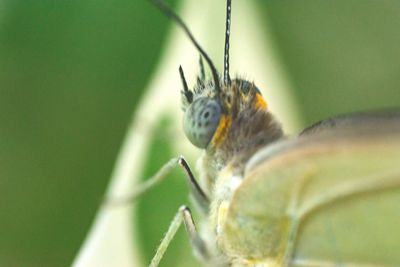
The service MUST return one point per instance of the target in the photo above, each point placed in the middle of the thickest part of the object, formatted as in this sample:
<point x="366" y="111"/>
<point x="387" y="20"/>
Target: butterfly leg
<point x="198" y="194"/>
<point x="184" y="215"/>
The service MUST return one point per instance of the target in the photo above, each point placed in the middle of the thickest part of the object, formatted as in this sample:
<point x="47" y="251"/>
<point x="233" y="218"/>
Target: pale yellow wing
<point x="327" y="198"/>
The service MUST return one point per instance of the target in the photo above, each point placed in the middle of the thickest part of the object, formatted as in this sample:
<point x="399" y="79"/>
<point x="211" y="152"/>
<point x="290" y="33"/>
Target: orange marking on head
<point x="220" y="133"/>
<point x="260" y="102"/>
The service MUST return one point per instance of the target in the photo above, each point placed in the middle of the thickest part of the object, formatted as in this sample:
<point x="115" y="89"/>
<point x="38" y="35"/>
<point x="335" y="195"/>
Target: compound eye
<point x="201" y="120"/>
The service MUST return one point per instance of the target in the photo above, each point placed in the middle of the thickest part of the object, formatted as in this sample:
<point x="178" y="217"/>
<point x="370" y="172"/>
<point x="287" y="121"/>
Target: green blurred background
<point x="72" y="72"/>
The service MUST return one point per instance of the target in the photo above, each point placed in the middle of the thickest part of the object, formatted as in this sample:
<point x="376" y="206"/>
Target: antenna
<point x="227" y="78"/>
<point x="169" y="13"/>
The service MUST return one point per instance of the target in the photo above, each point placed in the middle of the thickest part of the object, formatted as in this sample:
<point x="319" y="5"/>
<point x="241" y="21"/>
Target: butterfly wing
<point x="330" y="196"/>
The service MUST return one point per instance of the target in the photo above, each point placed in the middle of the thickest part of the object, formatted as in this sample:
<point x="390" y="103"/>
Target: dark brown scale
<point x="250" y="131"/>
<point x="251" y="128"/>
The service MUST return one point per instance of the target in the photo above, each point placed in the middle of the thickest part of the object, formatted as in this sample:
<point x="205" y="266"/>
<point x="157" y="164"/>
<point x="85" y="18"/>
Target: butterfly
<point x="267" y="199"/>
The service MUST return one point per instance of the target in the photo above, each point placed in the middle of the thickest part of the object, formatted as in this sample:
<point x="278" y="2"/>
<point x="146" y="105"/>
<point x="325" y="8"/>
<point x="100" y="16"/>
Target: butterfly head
<point x="227" y="117"/>
<point x="209" y="114"/>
